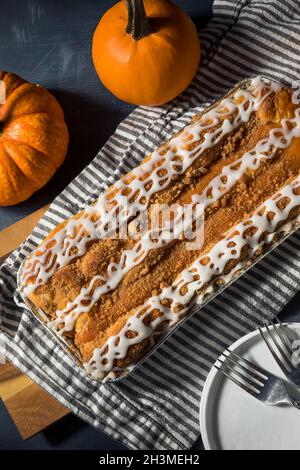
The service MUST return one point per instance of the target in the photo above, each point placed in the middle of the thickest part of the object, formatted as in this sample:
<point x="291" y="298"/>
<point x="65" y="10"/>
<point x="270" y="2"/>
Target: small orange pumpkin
<point x="147" y="53"/>
<point x="33" y="138"/>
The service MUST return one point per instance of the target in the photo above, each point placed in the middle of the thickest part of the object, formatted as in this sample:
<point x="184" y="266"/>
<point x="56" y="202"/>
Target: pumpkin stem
<point x="138" y="24"/>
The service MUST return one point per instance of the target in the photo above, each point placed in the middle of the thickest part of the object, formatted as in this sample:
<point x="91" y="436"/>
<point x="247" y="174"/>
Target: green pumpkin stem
<point x="138" y="24"/>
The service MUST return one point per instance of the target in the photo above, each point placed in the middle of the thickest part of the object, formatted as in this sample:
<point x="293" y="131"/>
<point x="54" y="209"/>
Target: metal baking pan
<point x="214" y="287"/>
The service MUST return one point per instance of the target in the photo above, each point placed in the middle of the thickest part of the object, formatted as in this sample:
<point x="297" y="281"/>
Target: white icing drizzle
<point x="99" y="285"/>
<point x="131" y="195"/>
<point x="254" y="232"/>
<point x="220" y="185"/>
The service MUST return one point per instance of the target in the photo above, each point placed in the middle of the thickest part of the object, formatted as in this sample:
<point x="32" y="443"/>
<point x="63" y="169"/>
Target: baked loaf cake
<point x="114" y="298"/>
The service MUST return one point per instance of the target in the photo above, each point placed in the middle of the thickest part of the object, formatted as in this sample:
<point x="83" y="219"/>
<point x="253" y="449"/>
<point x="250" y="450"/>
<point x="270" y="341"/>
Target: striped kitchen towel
<point x="157" y="406"/>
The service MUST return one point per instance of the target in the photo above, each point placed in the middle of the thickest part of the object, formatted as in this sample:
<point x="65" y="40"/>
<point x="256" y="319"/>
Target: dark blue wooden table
<point x="49" y="42"/>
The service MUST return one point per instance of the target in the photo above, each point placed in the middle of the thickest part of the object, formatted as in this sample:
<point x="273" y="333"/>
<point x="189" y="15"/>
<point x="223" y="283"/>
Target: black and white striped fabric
<point x="157" y="406"/>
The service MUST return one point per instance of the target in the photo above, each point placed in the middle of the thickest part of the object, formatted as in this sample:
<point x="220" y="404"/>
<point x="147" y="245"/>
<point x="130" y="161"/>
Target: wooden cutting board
<point x="31" y="408"/>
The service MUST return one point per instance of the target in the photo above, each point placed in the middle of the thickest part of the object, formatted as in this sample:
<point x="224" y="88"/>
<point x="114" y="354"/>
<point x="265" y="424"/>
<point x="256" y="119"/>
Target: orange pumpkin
<point x="146" y="53"/>
<point x="33" y="138"/>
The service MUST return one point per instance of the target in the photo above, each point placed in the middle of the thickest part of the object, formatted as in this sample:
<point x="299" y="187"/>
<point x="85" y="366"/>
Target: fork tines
<point x="279" y="344"/>
<point x="242" y="372"/>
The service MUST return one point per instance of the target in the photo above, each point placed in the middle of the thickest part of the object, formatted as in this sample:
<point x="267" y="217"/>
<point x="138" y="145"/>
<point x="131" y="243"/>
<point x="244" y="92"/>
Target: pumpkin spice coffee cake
<point x="114" y="297"/>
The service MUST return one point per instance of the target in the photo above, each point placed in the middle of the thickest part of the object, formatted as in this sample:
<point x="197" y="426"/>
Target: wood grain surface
<point x="13" y="236"/>
<point x="31" y="408"/>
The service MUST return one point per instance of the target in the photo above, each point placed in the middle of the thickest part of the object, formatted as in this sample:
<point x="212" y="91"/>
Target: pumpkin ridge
<point x="20" y="93"/>
<point x="12" y="98"/>
<point x="25" y="157"/>
<point x="8" y="120"/>
<point x="12" y="181"/>
<point x="167" y="38"/>
<point x="6" y="137"/>
<point x="132" y="50"/>
<point x="19" y="139"/>
<point x="12" y="82"/>
<point x="151" y="49"/>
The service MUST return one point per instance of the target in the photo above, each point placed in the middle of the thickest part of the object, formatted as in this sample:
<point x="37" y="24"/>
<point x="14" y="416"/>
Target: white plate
<point x="232" y="419"/>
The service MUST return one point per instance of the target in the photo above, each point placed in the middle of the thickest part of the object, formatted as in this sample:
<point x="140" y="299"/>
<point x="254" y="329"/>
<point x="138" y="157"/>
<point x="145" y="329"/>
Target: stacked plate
<point x="230" y="418"/>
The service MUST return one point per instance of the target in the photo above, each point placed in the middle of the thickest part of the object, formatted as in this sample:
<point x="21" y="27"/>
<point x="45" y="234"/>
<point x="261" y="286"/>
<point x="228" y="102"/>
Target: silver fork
<point x="256" y="381"/>
<point x="280" y="345"/>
